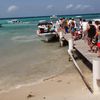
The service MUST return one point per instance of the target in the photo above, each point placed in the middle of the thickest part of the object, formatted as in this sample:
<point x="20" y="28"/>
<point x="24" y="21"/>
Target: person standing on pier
<point x="91" y="32"/>
<point x="84" y="29"/>
<point x="73" y="28"/>
<point x="98" y="40"/>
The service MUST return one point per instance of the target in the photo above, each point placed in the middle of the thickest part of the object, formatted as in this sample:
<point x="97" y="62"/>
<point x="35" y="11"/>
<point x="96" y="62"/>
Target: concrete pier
<point x="82" y="47"/>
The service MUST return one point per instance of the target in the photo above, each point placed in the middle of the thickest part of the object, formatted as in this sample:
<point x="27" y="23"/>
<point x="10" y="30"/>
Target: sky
<point x="27" y="8"/>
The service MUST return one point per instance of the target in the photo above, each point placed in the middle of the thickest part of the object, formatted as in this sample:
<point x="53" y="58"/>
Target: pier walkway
<point x="82" y="47"/>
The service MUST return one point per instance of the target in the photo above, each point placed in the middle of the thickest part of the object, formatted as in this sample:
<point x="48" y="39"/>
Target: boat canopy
<point x="44" y="22"/>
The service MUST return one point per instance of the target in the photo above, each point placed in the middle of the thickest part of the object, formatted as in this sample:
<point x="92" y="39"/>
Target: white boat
<point x="78" y="16"/>
<point x="46" y="36"/>
<point x="14" y="21"/>
<point x="46" y="31"/>
<point x="53" y="16"/>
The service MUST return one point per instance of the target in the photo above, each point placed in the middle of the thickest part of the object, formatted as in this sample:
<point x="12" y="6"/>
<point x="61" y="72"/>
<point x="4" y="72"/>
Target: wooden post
<point x="70" y="43"/>
<point x="70" y="47"/>
<point x="96" y="75"/>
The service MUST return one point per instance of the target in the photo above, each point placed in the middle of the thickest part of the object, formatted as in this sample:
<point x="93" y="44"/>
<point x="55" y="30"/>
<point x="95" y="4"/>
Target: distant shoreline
<point x="47" y="16"/>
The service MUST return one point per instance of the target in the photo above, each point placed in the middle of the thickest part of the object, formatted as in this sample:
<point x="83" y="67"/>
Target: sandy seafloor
<point x="50" y="76"/>
<point x="29" y="62"/>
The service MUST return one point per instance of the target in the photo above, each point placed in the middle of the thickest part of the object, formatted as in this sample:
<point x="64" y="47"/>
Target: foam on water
<point x="24" y="38"/>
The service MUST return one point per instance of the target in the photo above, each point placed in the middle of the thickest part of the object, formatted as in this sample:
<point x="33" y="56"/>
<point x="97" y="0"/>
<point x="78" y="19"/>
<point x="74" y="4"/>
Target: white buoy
<point x="70" y="41"/>
<point x="96" y="75"/>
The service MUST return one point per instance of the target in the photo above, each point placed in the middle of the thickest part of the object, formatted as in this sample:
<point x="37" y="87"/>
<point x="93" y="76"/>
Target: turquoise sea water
<point x="24" y="58"/>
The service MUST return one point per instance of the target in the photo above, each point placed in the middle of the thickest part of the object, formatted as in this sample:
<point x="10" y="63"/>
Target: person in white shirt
<point x="84" y="28"/>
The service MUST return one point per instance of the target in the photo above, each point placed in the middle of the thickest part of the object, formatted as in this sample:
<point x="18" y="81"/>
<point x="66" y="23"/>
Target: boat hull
<point x="46" y="36"/>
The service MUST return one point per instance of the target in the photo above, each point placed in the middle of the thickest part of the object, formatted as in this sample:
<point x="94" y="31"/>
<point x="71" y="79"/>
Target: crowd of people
<point x="81" y="29"/>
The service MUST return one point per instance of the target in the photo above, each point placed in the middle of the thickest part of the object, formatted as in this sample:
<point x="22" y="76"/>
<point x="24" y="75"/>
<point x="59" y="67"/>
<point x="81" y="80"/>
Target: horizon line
<point x="47" y="16"/>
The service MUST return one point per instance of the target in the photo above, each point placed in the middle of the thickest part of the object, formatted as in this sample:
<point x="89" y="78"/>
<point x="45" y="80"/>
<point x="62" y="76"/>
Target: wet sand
<point x="27" y="63"/>
<point x="67" y="85"/>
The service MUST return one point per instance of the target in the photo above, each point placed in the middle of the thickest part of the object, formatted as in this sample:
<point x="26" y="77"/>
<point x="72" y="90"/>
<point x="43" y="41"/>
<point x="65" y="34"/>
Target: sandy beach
<point x="65" y="86"/>
<point x="31" y="69"/>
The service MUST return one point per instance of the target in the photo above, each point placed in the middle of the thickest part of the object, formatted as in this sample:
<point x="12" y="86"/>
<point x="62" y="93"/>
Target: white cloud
<point x="86" y="6"/>
<point x="78" y="6"/>
<point x="49" y="6"/>
<point x="12" y="8"/>
<point x="69" y="6"/>
<point x="82" y="7"/>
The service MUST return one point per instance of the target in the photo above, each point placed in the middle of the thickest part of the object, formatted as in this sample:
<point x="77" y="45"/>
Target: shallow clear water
<point x="24" y="58"/>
